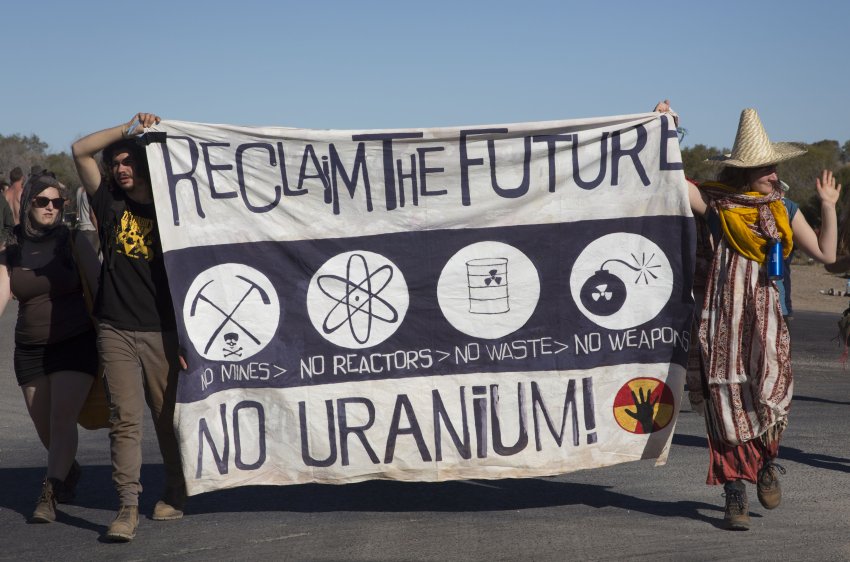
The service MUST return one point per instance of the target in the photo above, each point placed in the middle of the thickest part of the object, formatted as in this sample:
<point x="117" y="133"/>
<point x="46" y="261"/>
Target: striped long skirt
<point x="745" y="351"/>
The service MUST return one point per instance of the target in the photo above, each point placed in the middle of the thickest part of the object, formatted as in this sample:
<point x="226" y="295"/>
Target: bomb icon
<point x="604" y="293"/>
<point x="621" y="280"/>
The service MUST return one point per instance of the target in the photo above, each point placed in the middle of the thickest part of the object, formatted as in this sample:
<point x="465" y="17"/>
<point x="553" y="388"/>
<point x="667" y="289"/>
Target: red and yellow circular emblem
<point x="644" y="405"/>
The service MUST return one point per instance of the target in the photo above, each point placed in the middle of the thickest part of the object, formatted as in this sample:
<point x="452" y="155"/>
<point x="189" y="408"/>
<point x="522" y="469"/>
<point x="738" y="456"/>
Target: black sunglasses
<point x="41" y="202"/>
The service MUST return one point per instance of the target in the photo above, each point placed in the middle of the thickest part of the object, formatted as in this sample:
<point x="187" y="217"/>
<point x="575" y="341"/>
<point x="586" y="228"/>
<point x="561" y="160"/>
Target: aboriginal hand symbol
<point x="644" y="409"/>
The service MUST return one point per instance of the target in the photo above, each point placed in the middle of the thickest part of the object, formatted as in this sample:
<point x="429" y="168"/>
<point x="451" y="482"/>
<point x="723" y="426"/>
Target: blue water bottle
<point x="774" y="259"/>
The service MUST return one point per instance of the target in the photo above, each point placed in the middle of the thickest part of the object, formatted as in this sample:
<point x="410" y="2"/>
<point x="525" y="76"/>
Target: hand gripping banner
<point x="425" y="304"/>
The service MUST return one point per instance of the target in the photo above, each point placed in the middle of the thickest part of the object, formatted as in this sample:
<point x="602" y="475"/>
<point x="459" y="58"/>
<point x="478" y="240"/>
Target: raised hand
<point x="828" y="190"/>
<point x="664" y="107"/>
<point x="644" y="409"/>
<point x="138" y="123"/>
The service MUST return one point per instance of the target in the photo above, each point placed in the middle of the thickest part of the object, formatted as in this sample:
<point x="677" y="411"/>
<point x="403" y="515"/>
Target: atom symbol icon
<point x="357" y="298"/>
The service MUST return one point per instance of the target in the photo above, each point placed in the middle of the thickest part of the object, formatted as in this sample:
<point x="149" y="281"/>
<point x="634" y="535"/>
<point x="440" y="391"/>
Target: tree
<point x="62" y="165"/>
<point x="697" y="164"/>
<point x="18" y="150"/>
<point x="24" y="152"/>
<point x="801" y="172"/>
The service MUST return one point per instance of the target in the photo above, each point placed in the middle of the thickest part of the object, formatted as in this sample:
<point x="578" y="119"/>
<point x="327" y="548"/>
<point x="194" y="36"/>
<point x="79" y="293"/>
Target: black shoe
<point x="67" y="489"/>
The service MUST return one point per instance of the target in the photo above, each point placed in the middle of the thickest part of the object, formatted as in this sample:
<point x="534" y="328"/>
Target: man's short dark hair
<point x="137" y="151"/>
<point x="16" y="174"/>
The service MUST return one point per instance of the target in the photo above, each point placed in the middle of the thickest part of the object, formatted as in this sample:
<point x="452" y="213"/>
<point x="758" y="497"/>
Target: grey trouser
<point x="140" y="367"/>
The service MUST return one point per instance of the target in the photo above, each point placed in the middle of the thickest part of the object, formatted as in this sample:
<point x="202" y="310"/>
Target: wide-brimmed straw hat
<point x="753" y="149"/>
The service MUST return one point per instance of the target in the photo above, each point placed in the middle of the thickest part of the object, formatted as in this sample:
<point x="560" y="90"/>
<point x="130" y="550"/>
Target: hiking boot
<point x="737" y="516"/>
<point x="170" y="507"/>
<point x="123" y="528"/>
<point x="769" y="490"/>
<point x="45" y="508"/>
<point x="163" y="511"/>
<point x="67" y="489"/>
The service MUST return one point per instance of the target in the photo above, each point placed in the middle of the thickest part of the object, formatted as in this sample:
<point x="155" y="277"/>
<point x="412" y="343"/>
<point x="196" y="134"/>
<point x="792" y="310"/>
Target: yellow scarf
<point x="737" y="225"/>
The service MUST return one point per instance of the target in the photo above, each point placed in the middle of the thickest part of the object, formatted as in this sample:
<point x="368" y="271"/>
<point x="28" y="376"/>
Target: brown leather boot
<point x="45" y="508"/>
<point x="769" y="490"/>
<point x="737" y="514"/>
<point x="123" y="527"/>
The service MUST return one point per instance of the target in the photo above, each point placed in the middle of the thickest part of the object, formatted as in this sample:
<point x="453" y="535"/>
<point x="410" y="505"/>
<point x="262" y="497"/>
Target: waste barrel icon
<point x="487" y="279"/>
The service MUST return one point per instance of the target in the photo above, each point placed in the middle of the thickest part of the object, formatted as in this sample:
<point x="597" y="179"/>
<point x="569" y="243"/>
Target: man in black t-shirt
<point x="137" y="337"/>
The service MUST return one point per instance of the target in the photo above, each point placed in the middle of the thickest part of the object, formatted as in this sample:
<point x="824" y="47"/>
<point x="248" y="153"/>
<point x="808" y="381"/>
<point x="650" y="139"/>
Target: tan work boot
<point x="737" y="514"/>
<point x="769" y="490"/>
<point x="45" y="508"/>
<point x="123" y="527"/>
<point x="170" y="507"/>
<point x="163" y="511"/>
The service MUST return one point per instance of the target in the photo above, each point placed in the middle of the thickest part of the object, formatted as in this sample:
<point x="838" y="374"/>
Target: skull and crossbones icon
<point x="231" y="340"/>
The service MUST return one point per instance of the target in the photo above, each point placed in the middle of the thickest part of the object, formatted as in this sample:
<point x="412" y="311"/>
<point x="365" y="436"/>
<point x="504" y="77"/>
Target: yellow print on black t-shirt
<point x="134" y="236"/>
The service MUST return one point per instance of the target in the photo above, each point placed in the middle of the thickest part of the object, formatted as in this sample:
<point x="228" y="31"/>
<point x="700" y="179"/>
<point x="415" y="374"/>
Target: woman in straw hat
<point x="744" y="383"/>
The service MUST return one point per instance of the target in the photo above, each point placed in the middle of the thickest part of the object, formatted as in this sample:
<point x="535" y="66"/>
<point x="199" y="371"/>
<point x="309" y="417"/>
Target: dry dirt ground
<point x="810" y="282"/>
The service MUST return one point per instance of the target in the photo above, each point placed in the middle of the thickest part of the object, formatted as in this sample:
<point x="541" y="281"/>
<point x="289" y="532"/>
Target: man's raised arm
<point x="85" y="149"/>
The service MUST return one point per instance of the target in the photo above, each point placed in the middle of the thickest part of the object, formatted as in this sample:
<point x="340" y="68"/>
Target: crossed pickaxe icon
<point x="228" y="317"/>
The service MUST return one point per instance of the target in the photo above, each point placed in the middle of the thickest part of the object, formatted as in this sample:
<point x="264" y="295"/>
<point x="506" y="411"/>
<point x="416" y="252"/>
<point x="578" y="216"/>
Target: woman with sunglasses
<point x="55" y="343"/>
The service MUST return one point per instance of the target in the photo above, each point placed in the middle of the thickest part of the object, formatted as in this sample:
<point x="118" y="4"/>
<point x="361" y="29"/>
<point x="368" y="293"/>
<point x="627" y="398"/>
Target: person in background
<point x="86" y="221"/>
<point x="13" y="194"/>
<point x="744" y="389"/>
<point x="55" y="354"/>
<point x="138" y="333"/>
<point x="7" y="222"/>
<point x="842" y="264"/>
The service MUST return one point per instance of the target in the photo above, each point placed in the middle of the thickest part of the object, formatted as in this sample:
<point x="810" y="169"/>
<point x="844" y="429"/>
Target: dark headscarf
<point x="37" y="245"/>
<point x="34" y="186"/>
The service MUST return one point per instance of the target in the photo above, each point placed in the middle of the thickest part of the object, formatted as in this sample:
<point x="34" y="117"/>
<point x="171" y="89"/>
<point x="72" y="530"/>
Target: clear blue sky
<point x="70" y="68"/>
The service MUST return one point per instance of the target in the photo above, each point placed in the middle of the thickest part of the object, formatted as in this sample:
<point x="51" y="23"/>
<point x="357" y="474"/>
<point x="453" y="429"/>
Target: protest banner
<point x="424" y="304"/>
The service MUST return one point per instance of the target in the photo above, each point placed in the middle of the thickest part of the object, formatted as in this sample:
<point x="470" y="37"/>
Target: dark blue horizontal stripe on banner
<point x="526" y="298"/>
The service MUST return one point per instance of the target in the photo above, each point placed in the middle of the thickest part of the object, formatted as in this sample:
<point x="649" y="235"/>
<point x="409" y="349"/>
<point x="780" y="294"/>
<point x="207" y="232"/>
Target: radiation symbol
<point x="644" y="405"/>
<point x="603" y="293"/>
